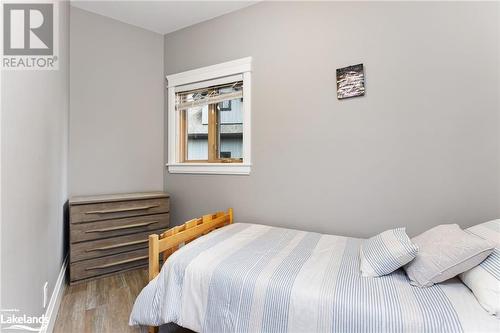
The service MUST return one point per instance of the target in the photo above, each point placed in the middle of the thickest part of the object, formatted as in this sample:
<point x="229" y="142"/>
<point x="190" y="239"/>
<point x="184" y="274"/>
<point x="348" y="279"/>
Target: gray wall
<point x="35" y="107"/>
<point x="420" y="149"/>
<point x="116" y="122"/>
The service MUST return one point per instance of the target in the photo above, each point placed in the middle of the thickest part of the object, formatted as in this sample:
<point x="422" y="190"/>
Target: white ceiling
<point x="161" y="16"/>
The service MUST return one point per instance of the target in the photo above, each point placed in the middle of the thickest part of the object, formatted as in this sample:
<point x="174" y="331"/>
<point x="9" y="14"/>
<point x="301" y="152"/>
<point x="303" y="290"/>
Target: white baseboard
<point x="55" y="299"/>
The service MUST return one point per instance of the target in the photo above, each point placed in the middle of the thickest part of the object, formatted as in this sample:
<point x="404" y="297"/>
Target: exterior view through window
<point x="211" y="124"/>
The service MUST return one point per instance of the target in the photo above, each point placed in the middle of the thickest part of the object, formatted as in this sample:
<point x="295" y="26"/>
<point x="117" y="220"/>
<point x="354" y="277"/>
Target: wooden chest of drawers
<point x="109" y="233"/>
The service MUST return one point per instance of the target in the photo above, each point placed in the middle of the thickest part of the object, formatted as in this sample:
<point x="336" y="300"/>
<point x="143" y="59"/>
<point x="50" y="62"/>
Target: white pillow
<point x="484" y="279"/>
<point x="386" y="252"/>
<point x="444" y="252"/>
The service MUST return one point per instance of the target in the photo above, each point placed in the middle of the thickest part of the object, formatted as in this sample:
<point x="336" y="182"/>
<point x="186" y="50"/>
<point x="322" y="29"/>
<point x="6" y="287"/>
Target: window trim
<point x="177" y="82"/>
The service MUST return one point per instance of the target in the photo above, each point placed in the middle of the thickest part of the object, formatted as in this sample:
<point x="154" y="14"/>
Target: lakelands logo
<point x="12" y="319"/>
<point x="29" y="35"/>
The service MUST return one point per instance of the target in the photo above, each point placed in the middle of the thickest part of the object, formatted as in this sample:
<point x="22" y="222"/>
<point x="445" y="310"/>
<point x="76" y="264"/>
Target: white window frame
<point x="178" y="82"/>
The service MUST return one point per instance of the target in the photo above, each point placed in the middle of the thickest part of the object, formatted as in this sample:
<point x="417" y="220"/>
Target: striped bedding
<point x="255" y="278"/>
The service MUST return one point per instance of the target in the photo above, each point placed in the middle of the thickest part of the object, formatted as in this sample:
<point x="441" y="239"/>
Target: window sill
<point x="210" y="168"/>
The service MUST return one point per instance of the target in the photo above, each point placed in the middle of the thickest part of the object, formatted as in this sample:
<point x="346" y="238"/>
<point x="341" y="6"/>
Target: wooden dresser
<point x="109" y="233"/>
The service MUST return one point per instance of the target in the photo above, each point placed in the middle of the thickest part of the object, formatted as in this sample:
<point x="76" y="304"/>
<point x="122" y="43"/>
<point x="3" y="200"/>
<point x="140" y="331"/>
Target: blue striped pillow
<point x="492" y="265"/>
<point x="484" y="279"/>
<point x="386" y="252"/>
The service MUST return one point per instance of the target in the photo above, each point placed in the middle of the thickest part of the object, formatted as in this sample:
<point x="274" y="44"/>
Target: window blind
<point x="209" y="95"/>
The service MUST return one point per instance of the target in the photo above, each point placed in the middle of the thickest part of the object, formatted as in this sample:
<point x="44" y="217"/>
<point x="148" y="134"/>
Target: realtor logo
<point x="15" y="320"/>
<point x="29" y="35"/>
<point x="28" y="29"/>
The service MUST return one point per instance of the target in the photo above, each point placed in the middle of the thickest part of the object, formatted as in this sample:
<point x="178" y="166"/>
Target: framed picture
<point x="350" y="81"/>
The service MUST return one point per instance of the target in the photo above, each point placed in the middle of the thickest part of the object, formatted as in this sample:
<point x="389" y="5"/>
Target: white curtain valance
<point x="210" y="95"/>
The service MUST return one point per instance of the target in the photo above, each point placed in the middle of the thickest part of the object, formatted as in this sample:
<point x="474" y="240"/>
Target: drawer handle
<point x="121" y="227"/>
<point x="116" y="263"/>
<point x="119" y="210"/>
<point x="109" y="247"/>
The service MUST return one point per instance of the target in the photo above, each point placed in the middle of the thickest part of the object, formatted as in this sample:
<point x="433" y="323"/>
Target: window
<point x="209" y="119"/>
<point x="211" y="123"/>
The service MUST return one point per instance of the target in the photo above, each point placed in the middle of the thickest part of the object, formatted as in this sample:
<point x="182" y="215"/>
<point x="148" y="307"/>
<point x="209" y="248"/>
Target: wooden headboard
<point x="169" y="241"/>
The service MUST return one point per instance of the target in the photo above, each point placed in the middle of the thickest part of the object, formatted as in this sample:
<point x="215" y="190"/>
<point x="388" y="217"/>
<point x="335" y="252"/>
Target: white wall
<point x="116" y="121"/>
<point x="34" y="130"/>
<point x="420" y="149"/>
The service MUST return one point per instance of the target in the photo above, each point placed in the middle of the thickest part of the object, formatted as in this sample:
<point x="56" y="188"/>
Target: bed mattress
<point x="256" y="278"/>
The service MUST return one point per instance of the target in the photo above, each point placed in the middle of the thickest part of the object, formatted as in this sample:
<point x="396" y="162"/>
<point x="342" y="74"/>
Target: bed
<point x="256" y="278"/>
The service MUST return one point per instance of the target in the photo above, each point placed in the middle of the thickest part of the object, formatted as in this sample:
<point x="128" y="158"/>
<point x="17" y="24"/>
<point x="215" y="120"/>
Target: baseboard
<point x="55" y="299"/>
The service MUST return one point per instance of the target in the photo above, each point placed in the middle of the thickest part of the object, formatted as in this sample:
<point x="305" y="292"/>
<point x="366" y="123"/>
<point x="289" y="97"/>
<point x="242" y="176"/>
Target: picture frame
<point x="350" y="81"/>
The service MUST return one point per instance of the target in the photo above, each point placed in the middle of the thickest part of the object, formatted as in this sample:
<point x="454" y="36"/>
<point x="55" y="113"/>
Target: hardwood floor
<point x="101" y="305"/>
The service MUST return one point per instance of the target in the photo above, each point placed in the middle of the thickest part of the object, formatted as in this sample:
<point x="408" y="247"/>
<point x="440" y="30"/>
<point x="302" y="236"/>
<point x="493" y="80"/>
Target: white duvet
<point x="255" y="278"/>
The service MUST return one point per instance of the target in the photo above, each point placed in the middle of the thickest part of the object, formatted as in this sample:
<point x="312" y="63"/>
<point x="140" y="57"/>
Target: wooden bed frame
<point x="169" y="241"/>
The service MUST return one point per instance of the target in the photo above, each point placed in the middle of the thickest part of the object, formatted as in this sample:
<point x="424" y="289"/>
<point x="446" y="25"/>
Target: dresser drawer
<point x="120" y="209"/>
<point x="109" y="246"/>
<point x="80" y="232"/>
<point x="105" y="265"/>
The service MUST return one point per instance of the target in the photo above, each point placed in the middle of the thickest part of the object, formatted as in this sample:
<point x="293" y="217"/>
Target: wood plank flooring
<point x="104" y="305"/>
<point x="101" y="305"/>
